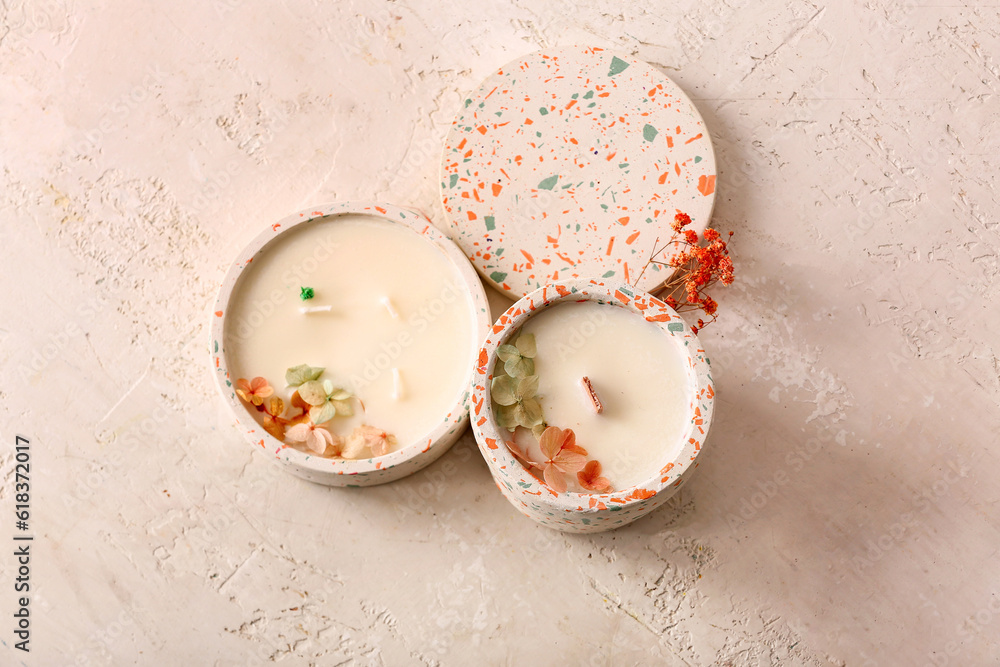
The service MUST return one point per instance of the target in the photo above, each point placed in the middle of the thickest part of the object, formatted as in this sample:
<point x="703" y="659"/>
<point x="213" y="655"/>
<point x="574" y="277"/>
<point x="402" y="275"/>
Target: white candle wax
<point x="636" y="370"/>
<point x="389" y="321"/>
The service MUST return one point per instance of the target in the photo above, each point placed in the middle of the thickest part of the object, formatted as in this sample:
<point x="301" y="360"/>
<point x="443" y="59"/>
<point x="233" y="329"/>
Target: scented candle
<point x="592" y="403"/>
<point x="364" y="322"/>
<point x="633" y="368"/>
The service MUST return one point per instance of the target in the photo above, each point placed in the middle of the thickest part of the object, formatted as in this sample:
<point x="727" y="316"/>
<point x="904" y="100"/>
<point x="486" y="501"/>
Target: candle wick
<point x="595" y="400"/>
<point x="397" y="384"/>
<point x="305" y="310"/>
<point x="388" y="306"/>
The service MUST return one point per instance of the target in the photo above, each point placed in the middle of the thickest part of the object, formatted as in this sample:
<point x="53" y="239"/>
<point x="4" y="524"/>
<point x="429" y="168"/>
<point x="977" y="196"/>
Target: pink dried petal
<point x="569" y="461"/>
<point x="380" y="447"/>
<point x="299" y="432"/>
<point x="554" y="439"/>
<point x="554" y="479"/>
<point x="317" y="441"/>
<point x="590" y="478"/>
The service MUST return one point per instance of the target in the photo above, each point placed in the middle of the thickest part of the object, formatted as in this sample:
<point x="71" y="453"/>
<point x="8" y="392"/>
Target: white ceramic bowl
<point x="410" y="457"/>
<point x="586" y="512"/>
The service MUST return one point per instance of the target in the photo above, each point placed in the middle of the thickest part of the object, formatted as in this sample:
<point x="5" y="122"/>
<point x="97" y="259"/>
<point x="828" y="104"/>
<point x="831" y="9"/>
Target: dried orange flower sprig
<point x="313" y="407"/>
<point x="696" y="267"/>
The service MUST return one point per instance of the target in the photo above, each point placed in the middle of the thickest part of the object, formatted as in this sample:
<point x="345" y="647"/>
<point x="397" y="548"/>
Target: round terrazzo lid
<point x="571" y="163"/>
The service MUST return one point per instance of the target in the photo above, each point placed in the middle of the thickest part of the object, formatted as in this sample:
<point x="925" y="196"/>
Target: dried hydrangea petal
<point x="526" y="345"/>
<point x="312" y="392"/>
<point x="300" y="374"/>
<point x="321" y="414"/>
<point x="503" y="390"/>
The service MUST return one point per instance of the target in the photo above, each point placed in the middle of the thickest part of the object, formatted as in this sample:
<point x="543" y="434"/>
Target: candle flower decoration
<point x="562" y="456"/>
<point x="514" y="387"/>
<point x="314" y="436"/>
<point x="513" y="391"/>
<point x="377" y="440"/>
<point x="590" y="478"/>
<point x="253" y="391"/>
<point x="313" y="407"/>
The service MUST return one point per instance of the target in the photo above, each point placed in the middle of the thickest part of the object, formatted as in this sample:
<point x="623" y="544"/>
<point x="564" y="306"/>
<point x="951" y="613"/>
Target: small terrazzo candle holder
<point x="593" y="512"/>
<point x="410" y="456"/>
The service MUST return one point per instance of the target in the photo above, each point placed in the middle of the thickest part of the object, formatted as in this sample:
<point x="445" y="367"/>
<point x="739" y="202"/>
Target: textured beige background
<point x="846" y="512"/>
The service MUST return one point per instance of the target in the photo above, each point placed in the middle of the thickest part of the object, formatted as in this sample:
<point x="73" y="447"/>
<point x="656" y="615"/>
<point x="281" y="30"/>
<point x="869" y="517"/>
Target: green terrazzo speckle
<point x="548" y="183"/>
<point x="617" y="66"/>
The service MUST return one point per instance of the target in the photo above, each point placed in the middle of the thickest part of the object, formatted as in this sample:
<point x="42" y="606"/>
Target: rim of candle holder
<point x="605" y="510"/>
<point x="410" y="457"/>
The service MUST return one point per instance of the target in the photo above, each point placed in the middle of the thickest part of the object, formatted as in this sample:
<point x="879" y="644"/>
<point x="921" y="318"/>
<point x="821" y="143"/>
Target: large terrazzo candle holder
<point x="593" y="512"/>
<point x="410" y="456"/>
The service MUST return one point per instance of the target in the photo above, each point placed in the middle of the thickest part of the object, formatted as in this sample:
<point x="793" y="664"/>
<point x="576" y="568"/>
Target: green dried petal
<point x="503" y="390"/>
<point x="298" y="374"/>
<point x="505" y="352"/>
<point x="526" y="345"/>
<point x="340" y="395"/>
<point x="538" y="429"/>
<point x="506" y="418"/>
<point x="313" y="393"/>
<point x="528" y="413"/>
<point x="519" y="367"/>
<point x="527" y="387"/>
<point x="323" y="413"/>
